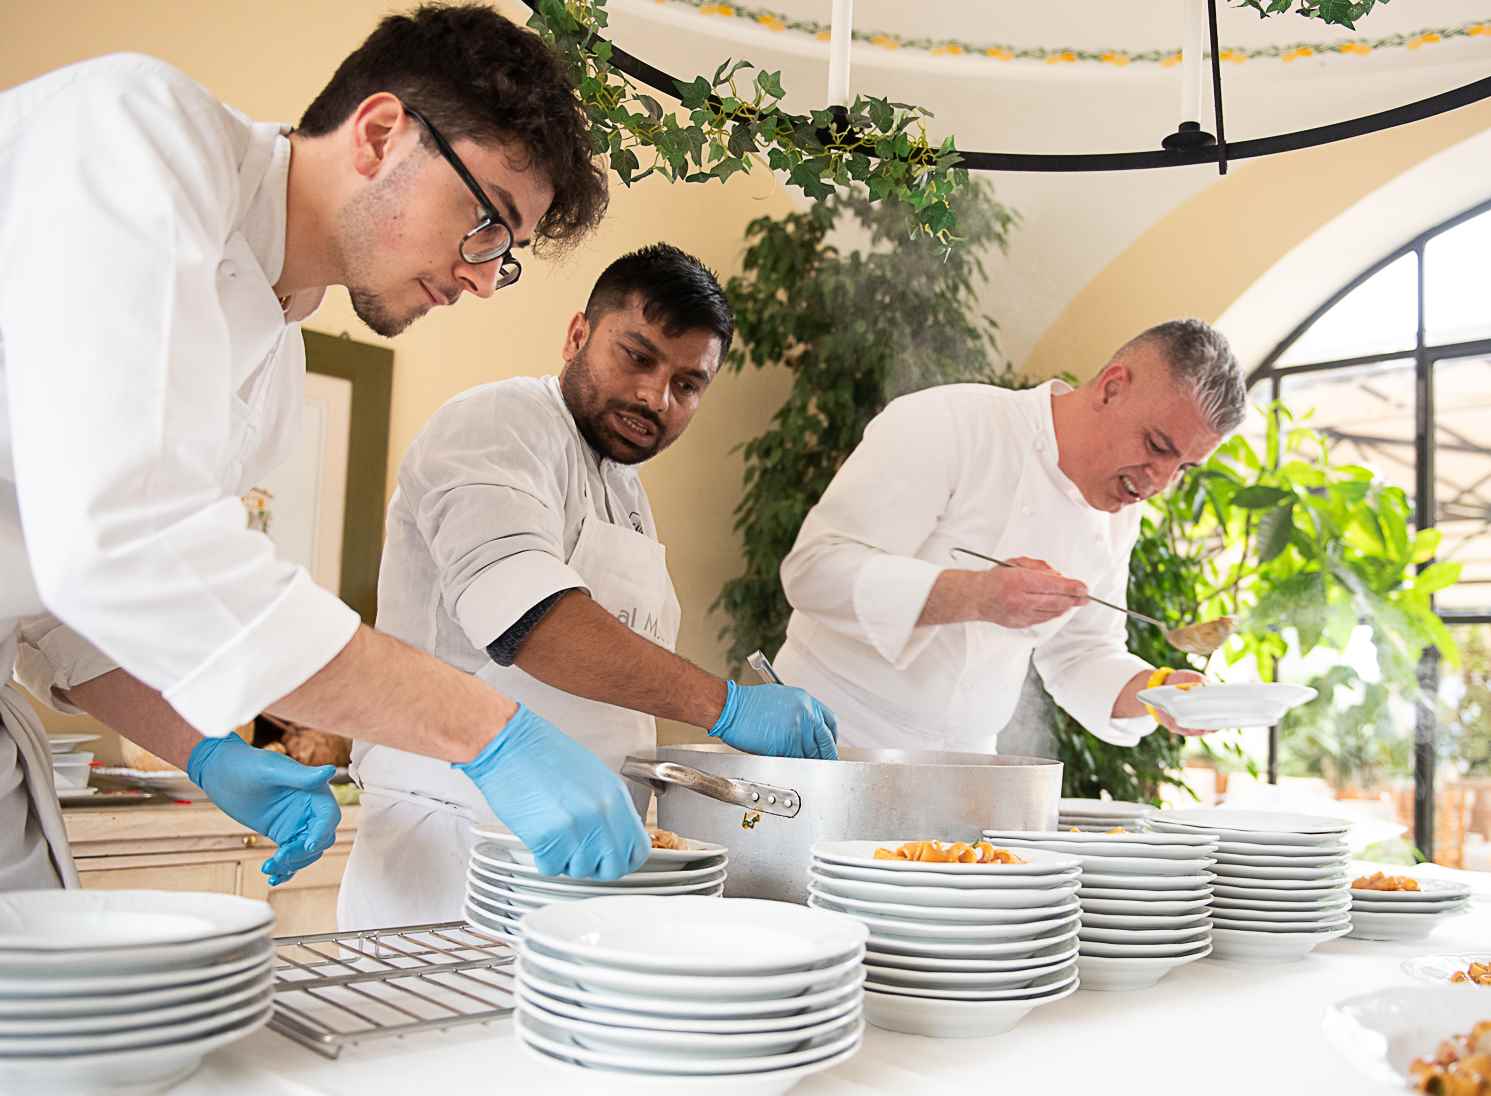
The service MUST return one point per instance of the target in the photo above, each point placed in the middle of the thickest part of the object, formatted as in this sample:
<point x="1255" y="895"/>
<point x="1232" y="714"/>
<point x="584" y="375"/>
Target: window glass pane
<point x="1457" y="267"/>
<point x="1462" y="793"/>
<point x="1462" y="477"/>
<point x="1378" y="316"/>
<point x="1367" y="412"/>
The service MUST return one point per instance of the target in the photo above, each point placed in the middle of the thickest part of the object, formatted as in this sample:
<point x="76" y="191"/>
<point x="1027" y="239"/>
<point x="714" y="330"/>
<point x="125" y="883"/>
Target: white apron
<point x="408" y="865"/>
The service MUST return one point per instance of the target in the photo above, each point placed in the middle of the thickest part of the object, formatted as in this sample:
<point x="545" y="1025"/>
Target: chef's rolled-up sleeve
<point x="487" y="493"/>
<point x="1086" y="664"/>
<point x="854" y="566"/>
<point x="119" y="382"/>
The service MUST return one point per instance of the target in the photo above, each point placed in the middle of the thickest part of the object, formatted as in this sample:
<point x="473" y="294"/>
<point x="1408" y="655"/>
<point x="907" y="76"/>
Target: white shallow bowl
<point x="1430" y="890"/>
<point x="943" y="1018"/>
<point x="1094" y="920"/>
<point x="1151" y="897"/>
<point x="1328" y="922"/>
<point x="537" y="1031"/>
<point x="658" y="860"/>
<point x="107" y="1009"/>
<point x="1268" y="947"/>
<point x="494" y="860"/>
<point x="1282" y="917"/>
<point x="959" y="933"/>
<point x="1144" y="951"/>
<point x="1322" y="860"/>
<point x="66" y="743"/>
<point x="1143" y="936"/>
<point x="54" y="995"/>
<point x="1329" y="902"/>
<point x="543" y="888"/>
<point x="1382" y="1032"/>
<point x="690" y="986"/>
<point x="728" y="1025"/>
<point x="1331" y="875"/>
<point x="946" y="880"/>
<point x="1413" y="909"/>
<point x="1108" y="863"/>
<point x="151" y="1068"/>
<point x="1392" y="926"/>
<point x="696" y="935"/>
<point x="955" y="949"/>
<point x="49" y="968"/>
<point x="686" y="1044"/>
<point x="1041" y="987"/>
<point x="576" y="1079"/>
<point x="1270" y="826"/>
<point x="861" y="854"/>
<point x="202" y="1022"/>
<point x="958" y="898"/>
<point x="1437" y="969"/>
<point x="1105" y="808"/>
<point x="1276" y="890"/>
<point x="963" y="981"/>
<point x="77" y="922"/>
<point x="167" y="1018"/>
<point x="1108" y="974"/>
<point x="1114" y="881"/>
<point x="1131" y="837"/>
<point x="1222" y="707"/>
<point x="669" y="1009"/>
<point x="1317" y="846"/>
<point x="1060" y="904"/>
<point x="1143" y="907"/>
<point x="1056" y="953"/>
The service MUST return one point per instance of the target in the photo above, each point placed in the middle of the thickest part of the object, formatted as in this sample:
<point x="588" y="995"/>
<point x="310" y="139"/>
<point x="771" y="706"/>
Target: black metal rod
<point x="1472" y="92"/>
<point x="1216" y="87"/>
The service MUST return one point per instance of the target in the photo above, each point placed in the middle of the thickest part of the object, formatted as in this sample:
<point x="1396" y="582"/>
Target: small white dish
<point x="1112" y="881"/>
<point x="1143" y="907"/>
<point x="1168" y="901"/>
<point x="1283" y="917"/>
<point x="1259" y="848"/>
<point x="1270" y="826"/>
<point x="1329" y="875"/>
<point x="71" y="922"/>
<point x="1110" y="950"/>
<point x="1056" y="953"/>
<point x="1094" y="920"/>
<point x="1391" y="926"/>
<point x="730" y="1025"/>
<point x="667" y="1009"/>
<point x="226" y="995"/>
<point x="1223" y="707"/>
<point x="1382" y="1032"/>
<point x="1269" y="947"/>
<point x="1142" y="936"/>
<point x="1105" y="808"/>
<point x="535" y="887"/>
<point x="1438" y="969"/>
<point x="1050" y="983"/>
<point x="1109" y="863"/>
<point x="1277" y="890"/>
<point x="1412" y="909"/>
<point x="1326" y="923"/>
<point x="1333" y="901"/>
<point x="942" y="1018"/>
<point x="695" y="935"/>
<point x="494" y="857"/>
<point x="952" y="949"/>
<point x="67" y="743"/>
<point x="1430" y="890"/>
<point x="945" y="880"/>
<point x="952" y="914"/>
<point x="29" y="996"/>
<point x="695" y="854"/>
<point x="861" y="854"/>
<point x="1103" y="840"/>
<point x="961" y="980"/>
<point x="86" y="1008"/>
<point x="977" y="934"/>
<point x="98" y="1042"/>
<point x="1331" y="859"/>
<point x="1107" y="974"/>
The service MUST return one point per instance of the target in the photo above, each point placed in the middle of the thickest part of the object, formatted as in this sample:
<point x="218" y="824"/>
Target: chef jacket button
<point x="227" y="269"/>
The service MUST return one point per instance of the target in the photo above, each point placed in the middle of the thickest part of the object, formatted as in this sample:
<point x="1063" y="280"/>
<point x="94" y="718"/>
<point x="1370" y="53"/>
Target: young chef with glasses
<point x="916" y="647"/>
<point x="522" y="549"/>
<point x="133" y="414"/>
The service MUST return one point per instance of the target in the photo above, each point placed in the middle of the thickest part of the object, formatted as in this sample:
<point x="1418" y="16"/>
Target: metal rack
<point x="336" y="989"/>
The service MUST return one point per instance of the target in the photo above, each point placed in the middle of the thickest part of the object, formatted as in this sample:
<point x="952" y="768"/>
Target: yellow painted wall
<point x="1201" y="257"/>
<point x="269" y="58"/>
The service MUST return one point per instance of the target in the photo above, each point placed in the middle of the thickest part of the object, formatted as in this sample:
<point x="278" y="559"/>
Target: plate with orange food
<point x="944" y="857"/>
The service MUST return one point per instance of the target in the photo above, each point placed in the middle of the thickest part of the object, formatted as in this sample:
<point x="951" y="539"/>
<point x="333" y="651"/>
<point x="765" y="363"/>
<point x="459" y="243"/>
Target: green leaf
<point x="1436" y="577"/>
<point x="1260" y="497"/>
<point x="770" y="83"/>
<point x="1275" y="529"/>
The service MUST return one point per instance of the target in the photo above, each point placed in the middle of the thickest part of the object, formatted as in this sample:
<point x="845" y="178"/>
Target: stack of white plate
<point x="954" y="949"/>
<point x="1145" y="899"/>
<point x="502" y="884"/>
<point x="70" y="766"/>
<point x="730" y="995"/>
<point x="1406" y="915"/>
<point x="1282" y="886"/>
<point x="106" y="989"/>
<point x="1103" y="814"/>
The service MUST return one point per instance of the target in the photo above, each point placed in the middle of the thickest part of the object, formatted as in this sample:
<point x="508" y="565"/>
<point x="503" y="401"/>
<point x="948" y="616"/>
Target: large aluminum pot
<point x="770" y="810"/>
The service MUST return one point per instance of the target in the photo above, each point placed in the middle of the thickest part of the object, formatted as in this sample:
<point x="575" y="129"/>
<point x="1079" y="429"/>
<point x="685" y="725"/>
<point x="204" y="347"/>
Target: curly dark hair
<point x="475" y="74"/>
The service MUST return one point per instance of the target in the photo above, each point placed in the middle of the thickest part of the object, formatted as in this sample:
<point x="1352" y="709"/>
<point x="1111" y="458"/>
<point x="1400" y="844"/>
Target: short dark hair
<point x="677" y="290"/>
<point x="1200" y="359"/>
<point x="475" y="74"/>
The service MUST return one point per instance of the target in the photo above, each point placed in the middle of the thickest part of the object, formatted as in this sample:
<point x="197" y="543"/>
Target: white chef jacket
<point x="969" y="466"/>
<point x="490" y="500"/>
<point x="148" y="376"/>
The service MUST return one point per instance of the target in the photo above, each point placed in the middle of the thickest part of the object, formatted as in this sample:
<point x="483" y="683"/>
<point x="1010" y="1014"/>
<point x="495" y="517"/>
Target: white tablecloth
<point x="1214" y="1027"/>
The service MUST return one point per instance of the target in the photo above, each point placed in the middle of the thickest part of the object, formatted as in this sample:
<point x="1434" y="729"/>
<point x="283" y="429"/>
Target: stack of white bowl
<point x="1102" y="814"/>
<point x="70" y="766"/>
<point x="106" y="989"/>
<point x="502" y="884"/>
<point x="1405" y="915"/>
<point x="1282" y="887"/>
<point x="1145" y="901"/>
<point x="738" y="995"/>
<point x="954" y="950"/>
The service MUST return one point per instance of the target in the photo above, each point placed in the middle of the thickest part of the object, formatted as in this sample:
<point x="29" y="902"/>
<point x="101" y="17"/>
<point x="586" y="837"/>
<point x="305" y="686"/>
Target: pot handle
<point x="662" y="775"/>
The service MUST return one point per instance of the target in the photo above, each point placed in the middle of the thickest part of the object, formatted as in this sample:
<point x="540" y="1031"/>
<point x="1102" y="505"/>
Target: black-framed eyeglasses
<point x="491" y="240"/>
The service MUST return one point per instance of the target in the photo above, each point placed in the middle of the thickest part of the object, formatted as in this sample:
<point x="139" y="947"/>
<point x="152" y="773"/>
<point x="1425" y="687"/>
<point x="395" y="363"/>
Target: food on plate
<point x="957" y="852"/>
<point x="1477" y="973"/>
<point x="1460" y="1067"/>
<point x="1115" y="829"/>
<point x="666" y="839"/>
<point x="1377" y="881"/>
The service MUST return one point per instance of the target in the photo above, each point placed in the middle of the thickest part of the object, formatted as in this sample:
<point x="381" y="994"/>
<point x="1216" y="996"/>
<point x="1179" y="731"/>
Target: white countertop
<point x="1215" y="1027"/>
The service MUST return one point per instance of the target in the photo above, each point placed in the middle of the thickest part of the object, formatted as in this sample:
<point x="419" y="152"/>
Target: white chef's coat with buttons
<point x="147" y="377"/>
<point x="959" y="466"/>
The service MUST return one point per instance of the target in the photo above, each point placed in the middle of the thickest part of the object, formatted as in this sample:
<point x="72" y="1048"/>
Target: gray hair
<point x="1199" y="357"/>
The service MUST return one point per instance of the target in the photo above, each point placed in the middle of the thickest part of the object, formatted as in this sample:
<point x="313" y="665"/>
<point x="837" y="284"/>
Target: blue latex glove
<point x="776" y="720"/>
<point x="289" y="803"/>
<point x="572" y="812"/>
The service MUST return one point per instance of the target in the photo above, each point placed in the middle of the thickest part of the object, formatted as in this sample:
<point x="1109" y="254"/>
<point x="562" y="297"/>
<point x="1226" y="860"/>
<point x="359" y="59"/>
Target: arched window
<point x="1396" y="367"/>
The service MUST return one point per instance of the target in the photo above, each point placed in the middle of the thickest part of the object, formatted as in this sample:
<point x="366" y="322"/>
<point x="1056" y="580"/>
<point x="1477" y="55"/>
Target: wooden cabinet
<point x="195" y="847"/>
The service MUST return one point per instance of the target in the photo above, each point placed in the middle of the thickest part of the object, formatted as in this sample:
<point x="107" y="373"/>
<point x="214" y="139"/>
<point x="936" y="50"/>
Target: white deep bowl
<point x="862" y="854"/>
<point x="691" y="934"/>
<point x="1382" y="1032"/>
<point x="1103" y="973"/>
<point x="943" y="1018"/>
<point x="658" y="860"/>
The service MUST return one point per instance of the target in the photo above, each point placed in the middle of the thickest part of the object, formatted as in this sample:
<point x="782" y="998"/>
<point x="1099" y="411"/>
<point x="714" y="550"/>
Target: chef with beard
<point x="917" y="647"/>
<point x="521" y="549"/>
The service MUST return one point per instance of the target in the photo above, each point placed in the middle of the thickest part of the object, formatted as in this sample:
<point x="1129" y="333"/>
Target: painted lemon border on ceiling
<point x="1164" y="58"/>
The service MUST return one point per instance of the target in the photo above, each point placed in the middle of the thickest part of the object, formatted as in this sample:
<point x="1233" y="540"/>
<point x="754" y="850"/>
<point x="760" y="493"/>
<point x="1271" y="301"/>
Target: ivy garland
<point x="735" y="118"/>
<point x="1343" y="13"/>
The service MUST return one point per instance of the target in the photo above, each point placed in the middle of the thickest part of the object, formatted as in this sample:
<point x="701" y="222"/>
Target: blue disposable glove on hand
<point x="289" y="803"/>
<point x="572" y="812"/>
<point x="777" y="720"/>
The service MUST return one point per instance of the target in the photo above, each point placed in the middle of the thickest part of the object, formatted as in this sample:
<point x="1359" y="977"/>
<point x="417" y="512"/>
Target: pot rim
<point x="859" y="758"/>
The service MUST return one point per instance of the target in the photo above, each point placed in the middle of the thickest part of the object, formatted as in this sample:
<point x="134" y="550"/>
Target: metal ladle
<point x="1201" y="638"/>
